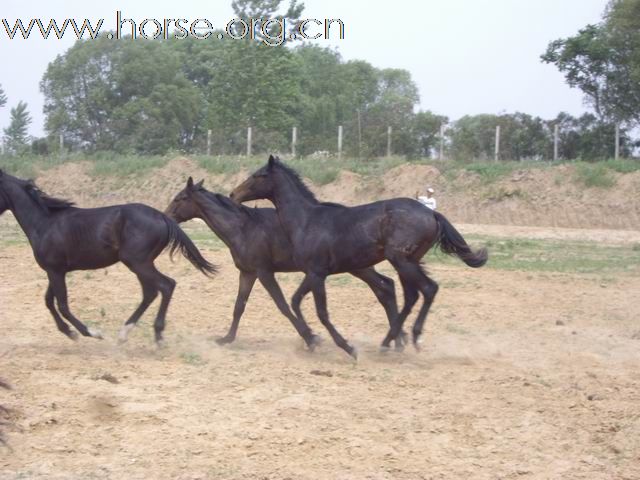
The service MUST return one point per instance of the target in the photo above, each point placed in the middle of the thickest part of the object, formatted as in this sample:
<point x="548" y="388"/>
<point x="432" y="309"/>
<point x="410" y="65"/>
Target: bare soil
<point x="543" y="197"/>
<point x="522" y="375"/>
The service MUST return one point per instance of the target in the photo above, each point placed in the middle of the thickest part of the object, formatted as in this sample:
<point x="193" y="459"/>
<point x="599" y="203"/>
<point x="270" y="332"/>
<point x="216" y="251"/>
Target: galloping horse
<point x="328" y="238"/>
<point x="260" y="247"/>
<point x="65" y="238"/>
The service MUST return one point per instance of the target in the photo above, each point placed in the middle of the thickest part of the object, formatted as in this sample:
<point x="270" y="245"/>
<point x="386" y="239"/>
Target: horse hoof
<point x="123" y="336"/>
<point x="73" y="336"/>
<point x="224" y="341"/>
<point x="313" y="342"/>
<point x="95" y="334"/>
<point x="416" y="345"/>
<point x="384" y="349"/>
<point x="161" y="344"/>
<point x="353" y="351"/>
<point x="399" y="346"/>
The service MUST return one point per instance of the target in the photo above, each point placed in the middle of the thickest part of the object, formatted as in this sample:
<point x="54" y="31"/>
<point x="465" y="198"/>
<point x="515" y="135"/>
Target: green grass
<point x="550" y="256"/>
<point x="594" y="175"/>
<point x="624" y="165"/>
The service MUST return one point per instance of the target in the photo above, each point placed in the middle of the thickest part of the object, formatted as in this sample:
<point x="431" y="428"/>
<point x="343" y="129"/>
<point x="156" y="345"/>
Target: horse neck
<point x="31" y="218"/>
<point x="292" y="204"/>
<point x="225" y="224"/>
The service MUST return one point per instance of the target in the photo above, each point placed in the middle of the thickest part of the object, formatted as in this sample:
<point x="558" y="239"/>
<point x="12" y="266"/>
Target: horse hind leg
<point x="59" y="287"/>
<point x="149" y="294"/>
<point x="429" y="289"/>
<point x="383" y="288"/>
<point x="49" y="300"/>
<point x="166" y="286"/>
<point x="411" y="295"/>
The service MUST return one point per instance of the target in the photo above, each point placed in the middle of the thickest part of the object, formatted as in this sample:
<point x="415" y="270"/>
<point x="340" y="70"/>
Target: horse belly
<point x="348" y="260"/>
<point x="92" y="259"/>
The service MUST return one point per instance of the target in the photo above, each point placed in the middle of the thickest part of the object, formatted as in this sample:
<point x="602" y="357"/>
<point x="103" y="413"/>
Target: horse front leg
<point x="312" y="340"/>
<point x="59" y="287"/>
<point x="320" y="297"/>
<point x="269" y="282"/>
<point x="49" y="300"/>
<point x="245" y="285"/>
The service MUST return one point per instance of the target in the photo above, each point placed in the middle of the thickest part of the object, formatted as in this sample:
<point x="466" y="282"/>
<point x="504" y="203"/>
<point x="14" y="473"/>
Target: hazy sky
<point x="466" y="56"/>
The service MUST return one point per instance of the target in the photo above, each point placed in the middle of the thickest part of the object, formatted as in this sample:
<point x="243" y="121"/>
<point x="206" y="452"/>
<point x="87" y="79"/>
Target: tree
<point x="425" y="133"/>
<point x="105" y="95"/>
<point x="15" y="135"/>
<point x="3" y="97"/>
<point x="473" y="137"/>
<point x="604" y="62"/>
<point x="269" y="10"/>
<point x="588" y="138"/>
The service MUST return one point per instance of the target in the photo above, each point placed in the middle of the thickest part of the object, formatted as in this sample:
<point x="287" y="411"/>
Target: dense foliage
<point x="604" y="62"/>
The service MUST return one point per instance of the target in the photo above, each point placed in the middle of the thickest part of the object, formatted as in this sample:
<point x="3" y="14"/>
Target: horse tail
<point x="179" y="241"/>
<point x="452" y="243"/>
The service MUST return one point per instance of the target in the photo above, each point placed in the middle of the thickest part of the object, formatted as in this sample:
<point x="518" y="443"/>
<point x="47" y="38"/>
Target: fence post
<point x="340" y="142"/>
<point x="294" y="140"/>
<point x="208" y="143"/>
<point x="617" y="154"/>
<point x="441" y="155"/>
<point x="249" y="132"/>
<point x="497" y="156"/>
<point x="556" y="142"/>
<point x="389" y="133"/>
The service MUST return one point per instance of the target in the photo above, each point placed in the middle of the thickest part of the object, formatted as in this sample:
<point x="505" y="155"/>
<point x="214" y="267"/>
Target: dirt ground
<point x="544" y="197"/>
<point x="522" y="375"/>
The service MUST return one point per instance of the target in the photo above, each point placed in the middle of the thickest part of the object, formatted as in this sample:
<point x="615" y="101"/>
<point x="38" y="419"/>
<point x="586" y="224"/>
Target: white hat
<point x="430" y="190"/>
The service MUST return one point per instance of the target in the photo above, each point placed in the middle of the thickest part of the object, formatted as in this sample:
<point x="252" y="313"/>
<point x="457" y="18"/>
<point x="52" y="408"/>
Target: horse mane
<point x="45" y="202"/>
<point x="226" y="203"/>
<point x="306" y="193"/>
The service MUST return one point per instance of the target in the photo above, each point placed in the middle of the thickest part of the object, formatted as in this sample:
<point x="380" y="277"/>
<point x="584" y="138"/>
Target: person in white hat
<point x="428" y="200"/>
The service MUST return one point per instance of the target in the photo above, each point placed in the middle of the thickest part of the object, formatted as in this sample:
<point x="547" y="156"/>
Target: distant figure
<point x="429" y="200"/>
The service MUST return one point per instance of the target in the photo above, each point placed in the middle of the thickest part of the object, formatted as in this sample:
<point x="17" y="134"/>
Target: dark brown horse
<point x="65" y="238"/>
<point x="328" y="238"/>
<point x="260" y="247"/>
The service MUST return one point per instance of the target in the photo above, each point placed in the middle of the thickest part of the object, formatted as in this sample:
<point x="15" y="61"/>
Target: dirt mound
<point x="545" y="197"/>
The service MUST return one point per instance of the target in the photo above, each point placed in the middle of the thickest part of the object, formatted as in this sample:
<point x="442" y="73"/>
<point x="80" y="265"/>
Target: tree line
<point x="150" y="97"/>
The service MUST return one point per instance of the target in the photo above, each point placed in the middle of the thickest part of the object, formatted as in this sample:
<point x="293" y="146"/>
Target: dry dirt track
<point x="501" y="389"/>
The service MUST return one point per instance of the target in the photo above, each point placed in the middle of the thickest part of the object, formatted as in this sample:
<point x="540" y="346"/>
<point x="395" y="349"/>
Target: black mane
<point x="226" y="202"/>
<point x="46" y="202"/>
<point x="308" y="194"/>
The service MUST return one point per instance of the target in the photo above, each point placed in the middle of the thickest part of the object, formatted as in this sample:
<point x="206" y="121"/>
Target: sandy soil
<point x="523" y="375"/>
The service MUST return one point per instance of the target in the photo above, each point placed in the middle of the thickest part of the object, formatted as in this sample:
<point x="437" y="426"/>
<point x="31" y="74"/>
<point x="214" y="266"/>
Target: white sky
<point x="466" y="56"/>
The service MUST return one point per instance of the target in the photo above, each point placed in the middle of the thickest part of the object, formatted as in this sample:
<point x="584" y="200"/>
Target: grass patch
<point x="550" y="256"/>
<point x="192" y="359"/>
<point x="624" y="165"/>
<point x="594" y="175"/>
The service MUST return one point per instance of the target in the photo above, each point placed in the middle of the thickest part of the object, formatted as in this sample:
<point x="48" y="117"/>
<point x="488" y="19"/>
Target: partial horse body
<point x="65" y="238"/>
<point x="260" y="247"/>
<point x="328" y="238"/>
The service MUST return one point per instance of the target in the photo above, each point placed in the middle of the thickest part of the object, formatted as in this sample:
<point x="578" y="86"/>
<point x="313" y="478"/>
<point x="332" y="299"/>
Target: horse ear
<point x="190" y="183"/>
<point x="198" y="185"/>
<point x="272" y="161"/>
<point x="1" y="173"/>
